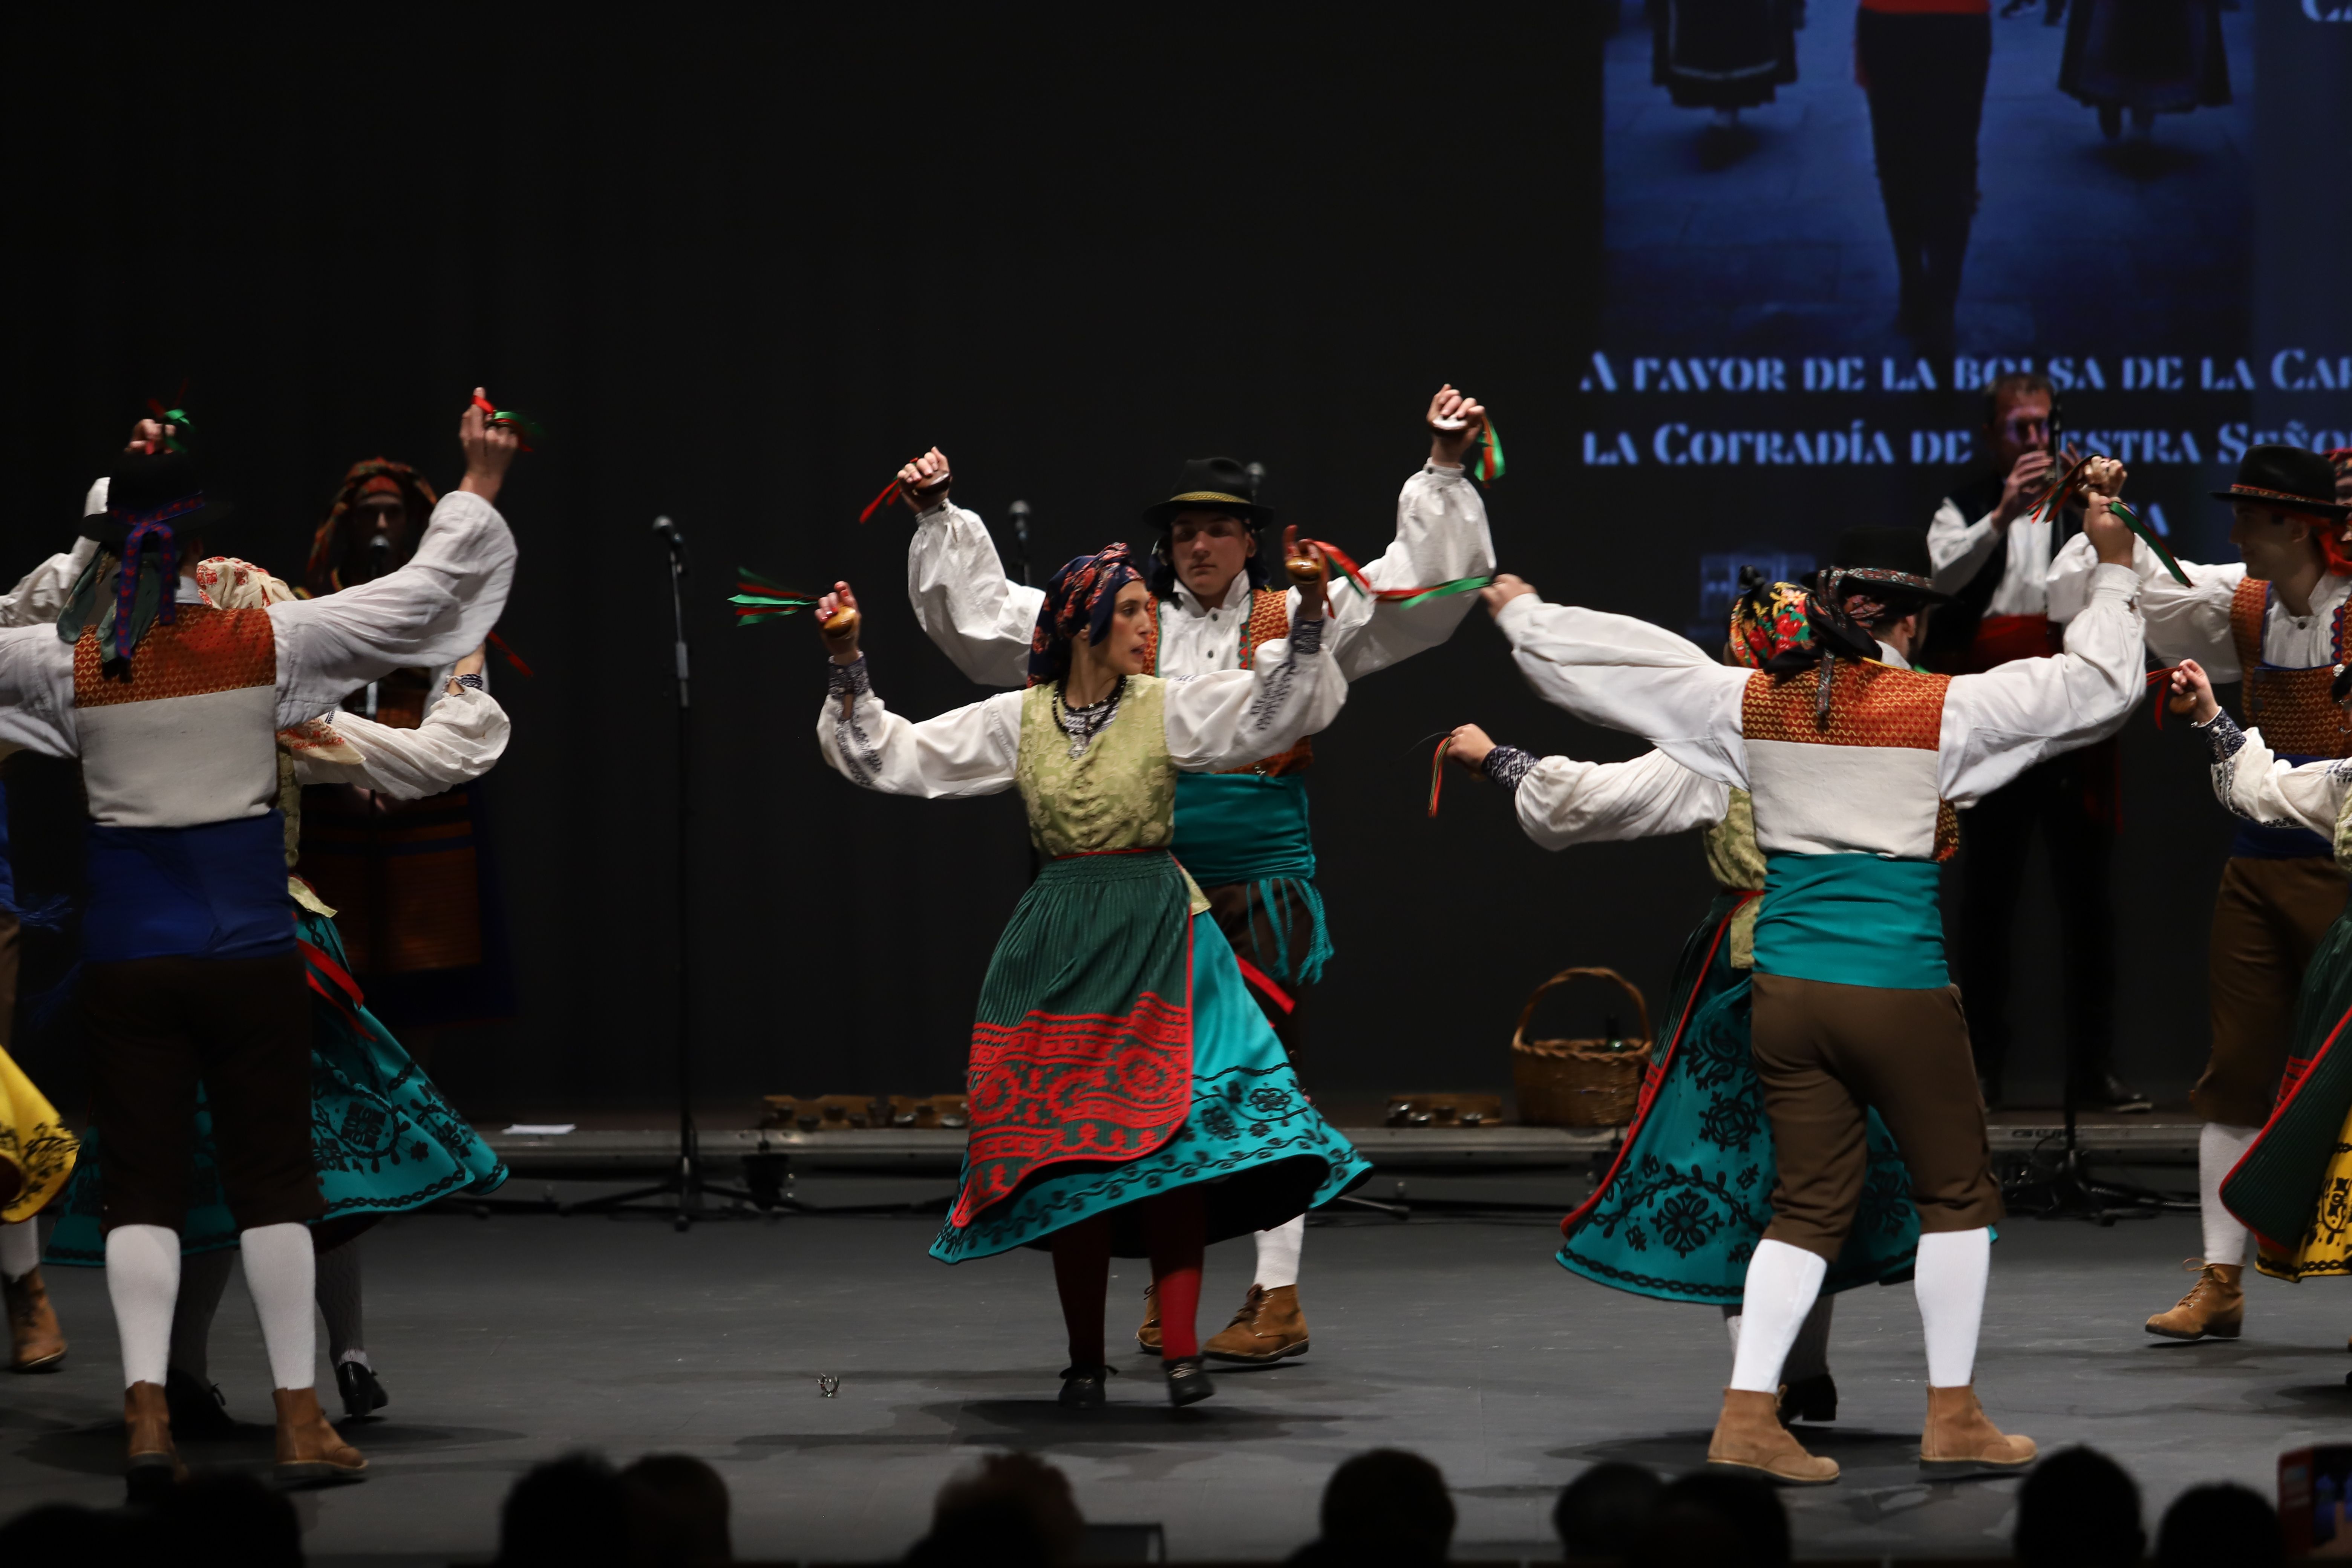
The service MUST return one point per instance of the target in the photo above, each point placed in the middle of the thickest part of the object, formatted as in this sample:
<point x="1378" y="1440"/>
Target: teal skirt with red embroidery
<point x="384" y="1140"/>
<point x="1117" y="1054"/>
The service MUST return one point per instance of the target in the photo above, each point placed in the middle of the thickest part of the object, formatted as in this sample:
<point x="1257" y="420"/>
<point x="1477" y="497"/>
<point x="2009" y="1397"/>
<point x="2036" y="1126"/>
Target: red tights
<point x="1175" y="1229"/>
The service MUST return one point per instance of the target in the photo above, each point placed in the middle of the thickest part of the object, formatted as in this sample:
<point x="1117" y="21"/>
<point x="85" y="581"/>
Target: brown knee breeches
<point x="242" y="1026"/>
<point x="1827" y="1052"/>
<point x="2268" y="916"/>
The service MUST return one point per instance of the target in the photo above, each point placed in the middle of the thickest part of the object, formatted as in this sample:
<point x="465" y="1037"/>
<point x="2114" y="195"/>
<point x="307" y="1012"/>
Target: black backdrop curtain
<point x="741" y="267"/>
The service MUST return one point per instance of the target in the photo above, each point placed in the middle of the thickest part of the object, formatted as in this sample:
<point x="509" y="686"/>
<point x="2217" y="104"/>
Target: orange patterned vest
<point x="1269" y="619"/>
<point x="1806" y="807"/>
<point x="2297" y="716"/>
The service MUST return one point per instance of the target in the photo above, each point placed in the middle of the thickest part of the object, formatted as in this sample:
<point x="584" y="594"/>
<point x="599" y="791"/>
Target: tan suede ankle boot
<point x="150" y="1462"/>
<point x="1268" y="1327"/>
<point x="35" y="1343"/>
<point x="1748" y="1436"/>
<point x="2215" y="1307"/>
<point x="309" y="1450"/>
<point x="1959" y="1439"/>
<point x="1147" y="1338"/>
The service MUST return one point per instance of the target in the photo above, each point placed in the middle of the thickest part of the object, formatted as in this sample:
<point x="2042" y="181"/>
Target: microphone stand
<point x="687" y="1183"/>
<point x="1019" y="512"/>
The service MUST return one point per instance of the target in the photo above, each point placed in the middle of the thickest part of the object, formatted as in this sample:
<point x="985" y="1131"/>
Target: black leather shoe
<point x="1082" y="1387"/>
<point x="1187" y="1384"/>
<point x="198" y="1409"/>
<point x="2108" y="1092"/>
<point x="1811" y="1398"/>
<point x="363" y="1395"/>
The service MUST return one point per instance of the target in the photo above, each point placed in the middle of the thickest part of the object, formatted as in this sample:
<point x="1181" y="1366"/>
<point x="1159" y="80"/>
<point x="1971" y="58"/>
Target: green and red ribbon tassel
<point x="1407" y="598"/>
<point x="176" y="416"/>
<point x="1489" y="467"/>
<point x="493" y="415"/>
<point x="512" y="658"/>
<point x="757" y="599"/>
<point x="2067" y="486"/>
<point x="1437" y="774"/>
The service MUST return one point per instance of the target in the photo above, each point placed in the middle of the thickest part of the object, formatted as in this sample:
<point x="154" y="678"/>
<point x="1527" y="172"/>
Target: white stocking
<point x="20" y="1248"/>
<point x="1278" y="1253"/>
<point x="280" y="1275"/>
<point x="204" y="1275"/>
<point x="339" y="1304"/>
<point x="2220" y="1147"/>
<point x="1951" y="1284"/>
<point x="1809" y="1356"/>
<point x="142" y="1276"/>
<point x="1782" y="1282"/>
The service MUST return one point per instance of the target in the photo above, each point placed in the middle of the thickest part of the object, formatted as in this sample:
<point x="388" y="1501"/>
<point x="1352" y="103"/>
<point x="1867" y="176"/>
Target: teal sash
<point x="1243" y="827"/>
<point x="1851" y="920"/>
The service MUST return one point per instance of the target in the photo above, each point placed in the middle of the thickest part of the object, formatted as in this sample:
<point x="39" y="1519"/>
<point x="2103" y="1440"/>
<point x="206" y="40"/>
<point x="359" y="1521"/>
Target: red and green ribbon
<point x="890" y="492"/>
<point x="1405" y="597"/>
<point x="176" y="417"/>
<point x="1490" y="457"/>
<point x="2066" y="489"/>
<point x="757" y="599"/>
<point x="493" y="415"/>
<point x="512" y="658"/>
<point x="1437" y="774"/>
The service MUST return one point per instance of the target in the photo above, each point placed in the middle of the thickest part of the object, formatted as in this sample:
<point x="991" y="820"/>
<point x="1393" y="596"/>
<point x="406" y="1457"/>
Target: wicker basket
<point x="1578" y="1083"/>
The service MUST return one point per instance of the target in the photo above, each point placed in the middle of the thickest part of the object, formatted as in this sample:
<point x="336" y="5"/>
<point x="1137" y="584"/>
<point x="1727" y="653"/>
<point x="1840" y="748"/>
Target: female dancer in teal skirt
<point x="1127" y="1095"/>
<point x="385" y="1139"/>
<point x="1681" y="1207"/>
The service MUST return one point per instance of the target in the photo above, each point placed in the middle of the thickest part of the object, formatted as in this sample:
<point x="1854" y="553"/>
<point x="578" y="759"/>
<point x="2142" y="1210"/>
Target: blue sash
<point x="213" y="891"/>
<point x="2256" y="842"/>
<point x="1851" y="920"/>
<point x="1243" y="827"/>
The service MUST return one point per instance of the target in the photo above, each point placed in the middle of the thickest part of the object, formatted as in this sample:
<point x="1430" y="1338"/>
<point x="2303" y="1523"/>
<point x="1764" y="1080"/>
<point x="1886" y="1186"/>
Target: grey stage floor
<point x="506" y="1341"/>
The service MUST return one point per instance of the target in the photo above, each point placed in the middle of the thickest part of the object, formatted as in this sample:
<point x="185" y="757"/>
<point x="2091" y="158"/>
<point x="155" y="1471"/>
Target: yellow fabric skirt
<point x="36" y="1154"/>
<point x="2324" y="1247"/>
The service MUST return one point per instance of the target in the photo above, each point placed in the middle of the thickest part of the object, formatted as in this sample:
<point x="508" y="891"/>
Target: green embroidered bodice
<point x="1738" y="863"/>
<point x="1121" y="794"/>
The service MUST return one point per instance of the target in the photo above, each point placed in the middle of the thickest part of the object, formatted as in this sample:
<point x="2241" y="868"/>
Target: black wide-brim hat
<point x="1212" y="484"/>
<point x="1892" y="560"/>
<point x="167" y="486"/>
<point x="2288" y="477"/>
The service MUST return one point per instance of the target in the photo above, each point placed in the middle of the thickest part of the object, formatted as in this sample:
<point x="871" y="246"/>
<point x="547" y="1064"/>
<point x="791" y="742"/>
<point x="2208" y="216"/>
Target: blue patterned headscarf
<point x="1081" y="594"/>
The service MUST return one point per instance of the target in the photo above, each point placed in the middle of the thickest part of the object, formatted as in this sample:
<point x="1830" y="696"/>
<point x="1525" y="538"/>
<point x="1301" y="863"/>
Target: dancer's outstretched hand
<point x="150" y="436"/>
<point x="489" y="449"/>
<point x="2191" y="692"/>
<point x="1310" y="574"/>
<point x="1457" y="422"/>
<point x="2103" y="481"/>
<point x="1506" y="586"/>
<point x="836" y="622"/>
<point x="1469" y="746"/>
<point x="923" y="483"/>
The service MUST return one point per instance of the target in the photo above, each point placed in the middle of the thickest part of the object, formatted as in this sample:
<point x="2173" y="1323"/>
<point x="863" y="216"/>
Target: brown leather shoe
<point x="151" y="1463"/>
<point x="1748" y="1436"/>
<point x="1268" y="1327"/>
<point x="1147" y="1338"/>
<point x="2215" y="1307"/>
<point x="35" y="1343"/>
<point x="1959" y="1441"/>
<point x="309" y="1450"/>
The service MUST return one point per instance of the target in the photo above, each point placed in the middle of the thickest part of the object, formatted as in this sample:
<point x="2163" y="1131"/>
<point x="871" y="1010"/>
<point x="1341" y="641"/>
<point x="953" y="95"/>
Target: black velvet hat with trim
<point x="1891" y="563"/>
<point x="167" y="488"/>
<point x="1212" y="484"/>
<point x="2288" y="477"/>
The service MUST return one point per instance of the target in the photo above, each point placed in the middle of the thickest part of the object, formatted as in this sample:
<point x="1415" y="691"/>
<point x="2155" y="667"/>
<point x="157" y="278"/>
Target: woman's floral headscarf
<point x="1783" y="630"/>
<point x="1081" y="594"/>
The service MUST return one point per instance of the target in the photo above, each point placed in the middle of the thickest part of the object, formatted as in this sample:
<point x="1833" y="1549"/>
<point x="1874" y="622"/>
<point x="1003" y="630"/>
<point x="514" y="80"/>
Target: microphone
<point x="671" y="535"/>
<point x="1019" y="512"/>
<point x="379" y="551"/>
